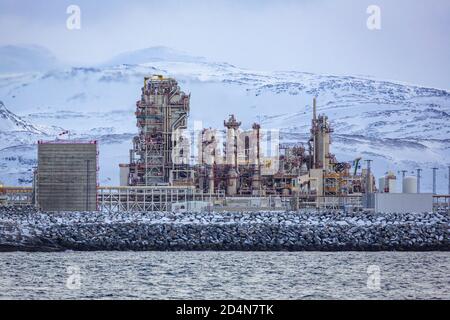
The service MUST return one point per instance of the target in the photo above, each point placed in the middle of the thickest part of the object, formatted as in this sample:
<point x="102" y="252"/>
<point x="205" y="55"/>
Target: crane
<point x="356" y="164"/>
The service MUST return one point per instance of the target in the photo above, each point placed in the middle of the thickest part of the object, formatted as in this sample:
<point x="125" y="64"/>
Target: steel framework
<point x="162" y="109"/>
<point x="149" y="198"/>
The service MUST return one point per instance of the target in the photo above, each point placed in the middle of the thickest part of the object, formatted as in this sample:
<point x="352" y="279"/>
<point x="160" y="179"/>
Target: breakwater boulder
<point x="29" y="230"/>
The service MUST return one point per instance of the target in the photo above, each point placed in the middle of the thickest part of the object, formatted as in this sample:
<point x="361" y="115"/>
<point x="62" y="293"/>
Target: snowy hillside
<point x="17" y="140"/>
<point x="15" y="131"/>
<point x="399" y="126"/>
<point x="9" y="122"/>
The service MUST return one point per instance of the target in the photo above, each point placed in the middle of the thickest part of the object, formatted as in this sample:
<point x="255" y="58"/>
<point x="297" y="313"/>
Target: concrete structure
<point x="402" y="202"/>
<point x="191" y="206"/>
<point x="66" y="177"/>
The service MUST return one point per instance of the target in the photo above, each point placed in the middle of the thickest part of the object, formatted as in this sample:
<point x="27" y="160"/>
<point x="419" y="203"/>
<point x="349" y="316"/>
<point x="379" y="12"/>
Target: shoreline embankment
<point x="25" y="229"/>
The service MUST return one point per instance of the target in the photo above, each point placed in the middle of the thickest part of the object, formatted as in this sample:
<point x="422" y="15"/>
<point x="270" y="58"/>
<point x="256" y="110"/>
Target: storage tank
<point x="410" y="185"/>
<point x="390" y="182"/>
<point x="387" y="183"/>
<point x="392" y="185"/>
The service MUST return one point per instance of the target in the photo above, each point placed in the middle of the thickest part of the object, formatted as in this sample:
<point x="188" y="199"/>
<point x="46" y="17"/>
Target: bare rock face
<point x="28" y="230"/>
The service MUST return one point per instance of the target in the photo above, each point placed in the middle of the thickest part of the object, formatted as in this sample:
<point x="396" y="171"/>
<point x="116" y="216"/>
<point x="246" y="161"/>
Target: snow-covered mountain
<point x="17" y="151"/>
<point x="399" y="126"/>
<point x="9" y="122"/>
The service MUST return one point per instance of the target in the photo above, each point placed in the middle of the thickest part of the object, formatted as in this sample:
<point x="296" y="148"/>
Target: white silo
<point x="410" y="185"/>
<point x="387" y="183"/>
<point x="391" y="182"/>
<point x="392" y="185"/>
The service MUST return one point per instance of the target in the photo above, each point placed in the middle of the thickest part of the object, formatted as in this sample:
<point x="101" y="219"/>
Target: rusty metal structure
<point x="232" y="161"/>
<point x="161" y="111"/>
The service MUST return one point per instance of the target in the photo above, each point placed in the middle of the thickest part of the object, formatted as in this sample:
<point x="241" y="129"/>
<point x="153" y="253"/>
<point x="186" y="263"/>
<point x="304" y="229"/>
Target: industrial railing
<point x="150" y="198"/>
<point x="441" y="202"/>
<point x="161" y="198"/>
<point x="16" y="196"/>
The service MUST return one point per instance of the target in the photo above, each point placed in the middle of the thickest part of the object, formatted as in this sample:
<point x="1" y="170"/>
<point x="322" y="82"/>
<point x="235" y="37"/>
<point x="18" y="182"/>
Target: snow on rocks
<point x="26" y="229"/>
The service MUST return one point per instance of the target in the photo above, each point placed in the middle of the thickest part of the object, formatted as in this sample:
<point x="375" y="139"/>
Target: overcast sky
<point x="325" y="36"/>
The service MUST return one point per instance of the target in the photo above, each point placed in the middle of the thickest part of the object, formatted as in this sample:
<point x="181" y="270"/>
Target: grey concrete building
<point x="67" y="176"/>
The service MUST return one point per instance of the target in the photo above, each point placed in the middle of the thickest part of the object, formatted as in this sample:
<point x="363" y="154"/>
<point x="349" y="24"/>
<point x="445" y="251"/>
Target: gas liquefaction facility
<point x="171" y="168"/>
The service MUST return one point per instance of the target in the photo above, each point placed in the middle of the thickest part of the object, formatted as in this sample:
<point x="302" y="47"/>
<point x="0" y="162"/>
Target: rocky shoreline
<point x="25" y="229"/>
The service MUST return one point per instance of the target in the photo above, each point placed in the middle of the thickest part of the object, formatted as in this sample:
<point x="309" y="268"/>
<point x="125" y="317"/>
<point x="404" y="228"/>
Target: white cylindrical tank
<point x="410" y="185"/>
<point x="392" y="184"/>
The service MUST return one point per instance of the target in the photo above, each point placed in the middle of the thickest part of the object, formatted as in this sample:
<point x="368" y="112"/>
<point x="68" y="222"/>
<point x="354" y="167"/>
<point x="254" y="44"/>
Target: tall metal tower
<point x="418" y="179"/>
<point x="320" y="137"/>
<point x="368" y="187"/>
<point x="448" y="180"/>
<point x="434" y="180"/>
<point x="404" y="173"/>
<point x="368" y="180"/>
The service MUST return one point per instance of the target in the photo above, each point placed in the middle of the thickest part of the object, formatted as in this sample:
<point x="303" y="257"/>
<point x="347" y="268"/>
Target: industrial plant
<point x="173" y="169"/>
<point x="234" y="169"/>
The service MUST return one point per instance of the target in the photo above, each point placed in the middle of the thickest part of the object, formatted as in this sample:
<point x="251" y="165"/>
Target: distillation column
<point x="256" y="178"/>
<point x="320" y="132"/>
<point x="231" y="154"/>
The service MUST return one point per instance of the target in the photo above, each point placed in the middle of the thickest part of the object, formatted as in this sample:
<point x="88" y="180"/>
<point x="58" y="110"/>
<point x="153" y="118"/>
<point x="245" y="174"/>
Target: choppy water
<point x="225" y="275"/>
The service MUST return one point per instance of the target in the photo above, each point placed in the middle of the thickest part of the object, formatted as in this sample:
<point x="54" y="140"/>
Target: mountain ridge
<point x="11" y="122"/>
